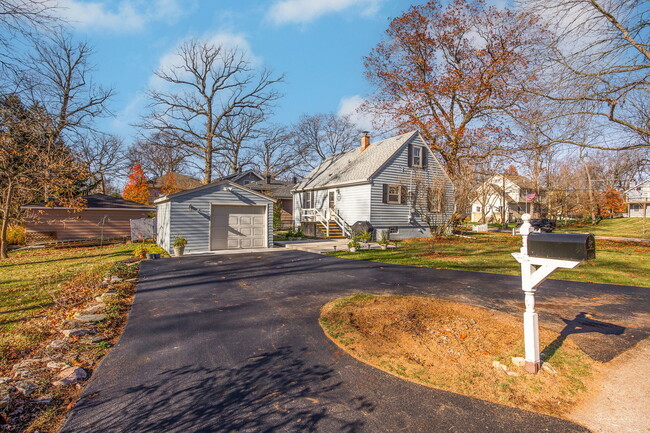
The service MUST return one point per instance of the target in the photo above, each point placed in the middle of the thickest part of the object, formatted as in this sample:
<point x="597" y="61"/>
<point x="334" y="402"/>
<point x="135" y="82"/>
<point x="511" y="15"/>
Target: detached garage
<point x="218" y="216"/>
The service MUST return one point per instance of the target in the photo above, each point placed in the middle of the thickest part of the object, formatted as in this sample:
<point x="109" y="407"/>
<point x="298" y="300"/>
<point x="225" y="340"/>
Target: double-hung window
<point x="416" y="156"/>
<point x="394" y="194"/>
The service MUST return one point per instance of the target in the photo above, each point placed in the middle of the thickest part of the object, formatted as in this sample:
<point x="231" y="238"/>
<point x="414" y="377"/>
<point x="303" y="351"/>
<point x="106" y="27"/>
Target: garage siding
<point x="190" y="213"/>
<point x="163" y="225"/>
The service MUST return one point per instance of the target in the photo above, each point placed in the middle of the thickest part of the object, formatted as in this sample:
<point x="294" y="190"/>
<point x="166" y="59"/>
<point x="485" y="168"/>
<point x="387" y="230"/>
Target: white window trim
<point x="399" y="194"/>
<point x="413" y="163"/>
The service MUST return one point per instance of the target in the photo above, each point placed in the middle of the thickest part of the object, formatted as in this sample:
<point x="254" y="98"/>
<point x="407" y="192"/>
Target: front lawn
<point x="616" y="262"/>
<point x="34" y="283"/>
<point x="620" y="227"/>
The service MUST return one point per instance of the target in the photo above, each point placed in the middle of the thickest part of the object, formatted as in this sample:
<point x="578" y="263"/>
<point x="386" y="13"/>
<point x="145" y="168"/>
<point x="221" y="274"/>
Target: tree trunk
<point x="5" y="222"/>
<point x="590" y="188"/>
<point x="207" y="171"/>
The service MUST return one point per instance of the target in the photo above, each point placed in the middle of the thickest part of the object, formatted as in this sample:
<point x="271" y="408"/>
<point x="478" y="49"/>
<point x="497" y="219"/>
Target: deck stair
<point x="335" y="231"/>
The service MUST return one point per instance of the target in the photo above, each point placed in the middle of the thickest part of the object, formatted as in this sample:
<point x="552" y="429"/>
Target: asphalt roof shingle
<point x="354" y="166"/>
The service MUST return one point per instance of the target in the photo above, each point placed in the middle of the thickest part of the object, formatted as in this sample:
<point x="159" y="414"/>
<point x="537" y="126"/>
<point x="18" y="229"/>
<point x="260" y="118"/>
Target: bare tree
<point x="60" y="82"/>
<point x="316" y="137"/>
<point x="600" y="64"/>
<point x="432" y="200"/>
<point x="159" y="154"/>
<point x="23" y="18"/>
<point x="105" y="158"/>
<point x="210" y="84"/>
<point x="235" y="140"/>
<point x="274" y="155"/>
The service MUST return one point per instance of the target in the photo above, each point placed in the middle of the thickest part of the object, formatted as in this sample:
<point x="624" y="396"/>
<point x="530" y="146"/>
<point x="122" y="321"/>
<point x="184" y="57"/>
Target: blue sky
<point x="318" y="44"/>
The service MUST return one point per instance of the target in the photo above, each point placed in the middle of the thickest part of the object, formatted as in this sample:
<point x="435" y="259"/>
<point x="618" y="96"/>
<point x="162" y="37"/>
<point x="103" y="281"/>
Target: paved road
<point x="232" y="343"/>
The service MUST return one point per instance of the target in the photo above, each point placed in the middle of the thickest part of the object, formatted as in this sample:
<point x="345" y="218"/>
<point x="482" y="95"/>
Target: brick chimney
<point x="365" y="140"/>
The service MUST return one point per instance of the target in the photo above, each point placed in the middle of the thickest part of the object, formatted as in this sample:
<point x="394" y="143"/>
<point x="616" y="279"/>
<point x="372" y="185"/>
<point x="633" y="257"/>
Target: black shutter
<point x="384" y="198"/>
<point x="425" y="150"/>
<point x="410" y="154"/>
<point x="403" y="195"/>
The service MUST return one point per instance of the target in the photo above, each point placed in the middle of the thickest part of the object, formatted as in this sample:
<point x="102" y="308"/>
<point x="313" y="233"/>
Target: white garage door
<point x="235" y="227"/>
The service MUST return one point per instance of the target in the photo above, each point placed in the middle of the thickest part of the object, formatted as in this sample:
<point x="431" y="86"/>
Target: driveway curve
<point x="232" y="343"/>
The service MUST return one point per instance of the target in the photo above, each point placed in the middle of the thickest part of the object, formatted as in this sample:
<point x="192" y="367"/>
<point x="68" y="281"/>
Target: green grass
<point x="615" y="263"/>
<point x="31" y="283"/>
<point x="621" y="227"/>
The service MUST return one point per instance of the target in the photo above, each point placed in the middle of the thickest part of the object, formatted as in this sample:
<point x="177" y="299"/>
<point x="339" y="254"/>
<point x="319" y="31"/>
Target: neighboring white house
<point x="217" y="216"/>
<point x="520" y="198"/>
<point x="375" y="183"/>
<point x="638" y="200"/>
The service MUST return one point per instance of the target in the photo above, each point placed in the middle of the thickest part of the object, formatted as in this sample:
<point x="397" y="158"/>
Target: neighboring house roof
<point x="236" y="176"/>
<point x="354" y="166"/>
<point x="276" y="188"/>
<point x="167" y="197"/>
<point x="99" y="201"/>
<point x="521" y="181"/>
<point x="637" y="186"/>
<point x="181" y="181"/>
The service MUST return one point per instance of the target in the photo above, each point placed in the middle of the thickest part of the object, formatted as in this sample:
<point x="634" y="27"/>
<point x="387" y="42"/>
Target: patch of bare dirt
<point x="458" y="347"/>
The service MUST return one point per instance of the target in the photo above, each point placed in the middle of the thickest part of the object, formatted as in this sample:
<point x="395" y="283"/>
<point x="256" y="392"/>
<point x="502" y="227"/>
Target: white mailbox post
<point x="534" y="270"/>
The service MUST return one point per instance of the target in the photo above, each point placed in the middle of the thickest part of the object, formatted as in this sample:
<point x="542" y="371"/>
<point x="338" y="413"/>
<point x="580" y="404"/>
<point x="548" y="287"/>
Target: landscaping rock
<point x="498" y="365"/>
<point x="56" y="344"/>
<point x="23" y="374"/>
<point x="73" y="324"/>
<point x="512" y="373"/>
<point x="518" y="361"/>
<point x="42" y="400"/>
<point x="95" y="339"/>
<point x="57" y="365"/>
<point x="115" y="279"/>
<point x="26" y="363"/>
<point x="90" y="318"/>
<point x="108" y="296"/>
<point x="25" y="387"/>
<point x="77" y="332"/>
<point x="70" y="375"/>
<point x="93" y="309"/>
<point x="548" y="368"/>
<point x="5" y="398"/>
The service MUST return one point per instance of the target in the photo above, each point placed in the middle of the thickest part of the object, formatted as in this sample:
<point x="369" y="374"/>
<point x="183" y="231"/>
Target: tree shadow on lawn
<point x="272" y="391"/>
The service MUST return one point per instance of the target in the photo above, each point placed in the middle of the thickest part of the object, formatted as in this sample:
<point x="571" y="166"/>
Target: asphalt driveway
<point x="232" y="343"/>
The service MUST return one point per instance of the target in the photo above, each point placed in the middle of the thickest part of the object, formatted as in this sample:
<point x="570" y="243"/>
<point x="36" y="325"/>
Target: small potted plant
<point x="384" y="241"/>
<point x="365" y="237"/>
<point x="179" y="245"/>
<point x="353" y="245"/>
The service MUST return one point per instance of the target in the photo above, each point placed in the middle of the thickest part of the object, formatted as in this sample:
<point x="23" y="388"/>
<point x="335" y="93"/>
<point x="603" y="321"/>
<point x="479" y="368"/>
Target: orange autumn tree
<point x="454" y="72"/>
<point x="169" y="185"/>
<point x="612" y="203"/>
<point x="137" y="188"/>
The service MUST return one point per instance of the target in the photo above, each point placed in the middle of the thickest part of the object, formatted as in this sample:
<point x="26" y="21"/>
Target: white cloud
<point x="304" y="11"/>
<point x="171" y="59"/>
<point x="349" y="106"/>
<point x="126" y="15"/>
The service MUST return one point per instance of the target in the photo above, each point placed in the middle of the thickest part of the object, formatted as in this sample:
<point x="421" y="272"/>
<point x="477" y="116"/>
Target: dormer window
<point x="417" y="156"/>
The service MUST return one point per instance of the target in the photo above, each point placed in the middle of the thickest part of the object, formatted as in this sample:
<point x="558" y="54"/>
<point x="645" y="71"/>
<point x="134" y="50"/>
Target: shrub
<point x="16" y="234"/>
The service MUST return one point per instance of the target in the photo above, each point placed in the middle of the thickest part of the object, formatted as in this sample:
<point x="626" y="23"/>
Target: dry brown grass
<point x="452" y="346"/>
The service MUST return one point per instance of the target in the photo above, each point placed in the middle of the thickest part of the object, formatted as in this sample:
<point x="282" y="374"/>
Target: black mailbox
<point x="566" y="246"/>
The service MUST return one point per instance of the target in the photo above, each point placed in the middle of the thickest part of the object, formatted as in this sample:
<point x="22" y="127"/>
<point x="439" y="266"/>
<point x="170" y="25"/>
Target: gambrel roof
<point x="354" y="166"/>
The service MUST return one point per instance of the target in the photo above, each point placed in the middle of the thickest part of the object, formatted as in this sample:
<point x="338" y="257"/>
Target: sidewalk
<point x="621" y="404"/>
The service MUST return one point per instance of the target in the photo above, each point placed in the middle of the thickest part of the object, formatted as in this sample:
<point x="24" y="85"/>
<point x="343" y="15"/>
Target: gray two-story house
<point x="379" y="183"/>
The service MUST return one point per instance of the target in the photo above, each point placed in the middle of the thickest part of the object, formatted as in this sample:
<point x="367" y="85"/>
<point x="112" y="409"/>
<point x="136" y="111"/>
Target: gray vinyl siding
<point x="354" y="204"/>
<point x="163" y="215"/>
<point x="194" y="224"/>
<point x="397" y="172"/>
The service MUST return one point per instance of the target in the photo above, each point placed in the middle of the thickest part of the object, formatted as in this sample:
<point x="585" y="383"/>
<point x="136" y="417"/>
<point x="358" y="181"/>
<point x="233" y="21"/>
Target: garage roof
<point x="168" y="197"/>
